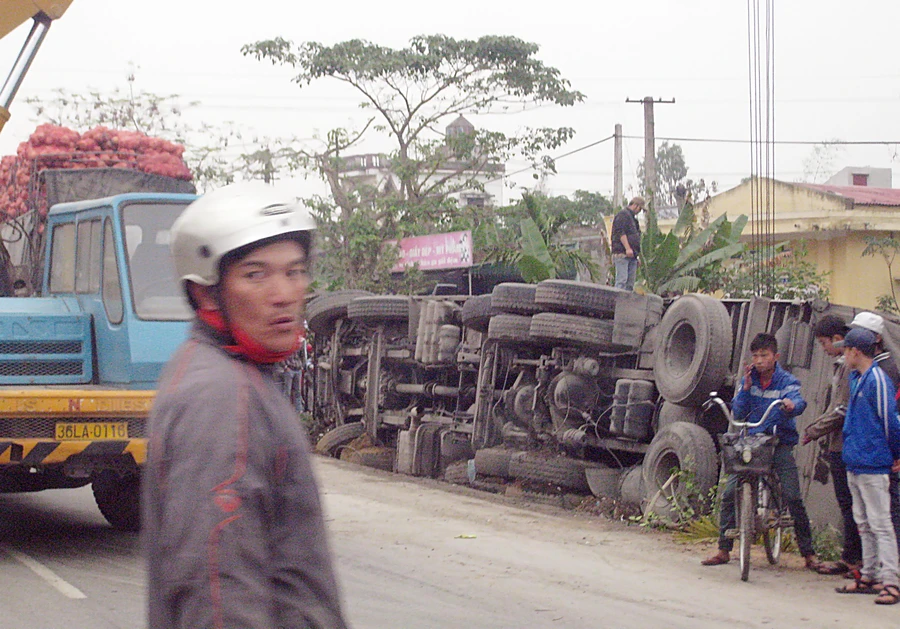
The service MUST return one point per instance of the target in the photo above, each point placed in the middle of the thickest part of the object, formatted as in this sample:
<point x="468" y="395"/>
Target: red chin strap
<point x="245" y="346"/>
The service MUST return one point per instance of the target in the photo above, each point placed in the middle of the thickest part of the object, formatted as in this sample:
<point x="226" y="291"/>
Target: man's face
<point x="853" y="357"/>
<point x="635" y="208"/>
<point x="263" y="294"/>
<point x="827" y="345"/>
<point x="764" y="361"/>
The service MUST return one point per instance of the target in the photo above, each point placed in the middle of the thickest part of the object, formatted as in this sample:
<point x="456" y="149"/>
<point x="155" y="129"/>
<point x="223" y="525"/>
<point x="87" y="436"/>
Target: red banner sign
<point x="436" y="251"/>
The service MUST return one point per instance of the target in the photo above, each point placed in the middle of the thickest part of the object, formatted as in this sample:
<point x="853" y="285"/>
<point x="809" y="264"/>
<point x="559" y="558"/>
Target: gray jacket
<point x="831" y="423"/>
<point x="232" y="526"/>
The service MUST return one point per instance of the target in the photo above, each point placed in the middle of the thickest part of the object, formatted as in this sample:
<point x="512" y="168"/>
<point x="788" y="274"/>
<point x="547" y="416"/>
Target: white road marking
<point x="63" y="586"/>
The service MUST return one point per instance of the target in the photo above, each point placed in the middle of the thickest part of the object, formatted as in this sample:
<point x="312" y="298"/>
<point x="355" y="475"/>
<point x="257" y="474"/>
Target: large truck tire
<point x="514" y="298"/>
<point x="507" y="328"/>
<point x="391" y="307"/>
<point x="631" y="486"/>
<point x="578" y="298"/>
<point x="571" y="329"/>
<point x="476" y="313"/>
<point x="119" y="499"/>
<point x="694" y="350"/>
<point x="669" y="413"/>
<point x="559" y="471"/>
<point x="493" y="462"/>
<point x="680" y="448"/>
<point x="457" y="473"/>
<point x="604" y="481"/>
<point x="333" y="441"/>
<point x="378" y="457"/>
<point x="324" y="310"/>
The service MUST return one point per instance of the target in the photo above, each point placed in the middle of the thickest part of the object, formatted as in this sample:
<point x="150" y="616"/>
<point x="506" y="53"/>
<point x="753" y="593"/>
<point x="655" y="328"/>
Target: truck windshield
<point x="155" y="290"/>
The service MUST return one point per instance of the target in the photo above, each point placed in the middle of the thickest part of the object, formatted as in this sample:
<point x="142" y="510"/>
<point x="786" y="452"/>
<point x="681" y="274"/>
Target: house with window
<point x="374" y="171"/>
<point x="834" y="219"/>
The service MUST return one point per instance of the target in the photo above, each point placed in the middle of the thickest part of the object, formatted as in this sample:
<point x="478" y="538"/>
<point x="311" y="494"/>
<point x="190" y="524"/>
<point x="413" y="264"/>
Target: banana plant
<point x="673" y="262"/>
<point x="542" y="254"/>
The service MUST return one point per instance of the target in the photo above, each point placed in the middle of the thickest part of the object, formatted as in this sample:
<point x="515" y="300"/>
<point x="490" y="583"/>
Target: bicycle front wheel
<point x="745" y="519"/>
<point x="771" y="511"/>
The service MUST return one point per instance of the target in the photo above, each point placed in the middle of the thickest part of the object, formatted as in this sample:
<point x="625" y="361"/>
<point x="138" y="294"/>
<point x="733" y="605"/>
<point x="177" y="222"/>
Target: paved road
<point x="415" y="554"/>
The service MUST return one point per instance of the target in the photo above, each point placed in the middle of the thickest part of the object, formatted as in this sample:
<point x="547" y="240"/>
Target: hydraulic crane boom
<point x="13" y="13"/>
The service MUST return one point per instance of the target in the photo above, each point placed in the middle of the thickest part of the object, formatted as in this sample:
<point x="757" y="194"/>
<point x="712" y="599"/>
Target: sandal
<point x="889" y="595"/>
<point x="861" y="586"/>
<point x="834" y="567"/>
<point x="718" y="559"/>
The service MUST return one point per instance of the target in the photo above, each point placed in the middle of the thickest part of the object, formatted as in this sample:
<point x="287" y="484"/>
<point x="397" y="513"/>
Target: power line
<point x="798" y="142"/>
<point x="557" y="158"/>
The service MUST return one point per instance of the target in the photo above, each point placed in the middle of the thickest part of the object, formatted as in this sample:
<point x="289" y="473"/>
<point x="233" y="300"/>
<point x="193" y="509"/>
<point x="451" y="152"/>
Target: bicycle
<point x="749" y="457"/>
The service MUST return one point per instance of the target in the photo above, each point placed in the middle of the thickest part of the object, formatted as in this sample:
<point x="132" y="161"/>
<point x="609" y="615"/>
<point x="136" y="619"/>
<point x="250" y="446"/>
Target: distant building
<point x="862" y="176"/>
<point x="374" y="171"/>
<point x="834" y="221"/>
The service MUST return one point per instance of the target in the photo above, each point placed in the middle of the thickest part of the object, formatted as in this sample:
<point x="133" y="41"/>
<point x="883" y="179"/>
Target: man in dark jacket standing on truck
<point x="232" y="524"/>
<point x="625" y="243"/>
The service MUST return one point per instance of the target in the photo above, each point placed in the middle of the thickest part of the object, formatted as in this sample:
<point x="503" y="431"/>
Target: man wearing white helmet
<point x="232" y="524"/>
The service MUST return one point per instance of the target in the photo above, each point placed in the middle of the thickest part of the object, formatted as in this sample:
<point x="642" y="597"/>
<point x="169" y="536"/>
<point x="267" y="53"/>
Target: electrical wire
<point x="558" y="157"/>
<point x="796" y="142"/>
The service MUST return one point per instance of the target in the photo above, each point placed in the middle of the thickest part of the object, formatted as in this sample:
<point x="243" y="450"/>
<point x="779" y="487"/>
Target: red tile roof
<point x="861" y="195"/>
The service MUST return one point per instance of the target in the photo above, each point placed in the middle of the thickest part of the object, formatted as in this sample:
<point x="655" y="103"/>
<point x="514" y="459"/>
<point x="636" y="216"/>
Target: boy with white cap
<point x="875" y="324"/>
<point x="871" y="454"/>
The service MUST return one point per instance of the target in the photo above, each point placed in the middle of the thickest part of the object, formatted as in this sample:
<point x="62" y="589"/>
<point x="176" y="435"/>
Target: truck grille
<point x="40" y="367"/>
<point x="44" y="427"/>
<point x="40" y="347"/>
<point x="45" y="349"/>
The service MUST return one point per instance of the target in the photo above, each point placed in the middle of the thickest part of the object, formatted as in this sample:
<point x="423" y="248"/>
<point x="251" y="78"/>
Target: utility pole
<point x="650" y="142"/>
<point x="617" y="169"/>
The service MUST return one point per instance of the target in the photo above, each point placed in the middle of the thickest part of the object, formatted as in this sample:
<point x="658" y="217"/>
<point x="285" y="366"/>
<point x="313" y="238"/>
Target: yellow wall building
<point x="834" y="221"/>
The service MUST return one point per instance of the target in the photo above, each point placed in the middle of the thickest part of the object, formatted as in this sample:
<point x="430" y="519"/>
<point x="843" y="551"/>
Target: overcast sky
<point x="837" y="71"/>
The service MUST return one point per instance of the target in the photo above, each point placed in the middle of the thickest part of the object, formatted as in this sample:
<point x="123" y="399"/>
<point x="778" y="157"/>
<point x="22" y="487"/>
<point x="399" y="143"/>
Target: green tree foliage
<point x="788" y="274"/>
<point x="585" y="209"/>
<point x="676" y="262"/>
<point x="888" y="248"/>
<point x="542" y="252"/>
<point x="410" y="94"/>
<point x="674" y="186"/>
<point x="410" y="91"/>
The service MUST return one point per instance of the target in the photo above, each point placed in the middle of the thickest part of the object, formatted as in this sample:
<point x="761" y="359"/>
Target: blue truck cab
<point x="79" y="363"/>
<point x="108" y="260"/>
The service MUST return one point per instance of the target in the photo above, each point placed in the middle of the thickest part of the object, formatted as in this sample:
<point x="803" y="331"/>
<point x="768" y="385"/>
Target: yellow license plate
<point x="93" y="431"/>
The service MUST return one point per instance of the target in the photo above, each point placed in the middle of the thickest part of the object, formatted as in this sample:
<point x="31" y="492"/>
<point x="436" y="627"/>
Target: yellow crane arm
<point x="14" y="13"/>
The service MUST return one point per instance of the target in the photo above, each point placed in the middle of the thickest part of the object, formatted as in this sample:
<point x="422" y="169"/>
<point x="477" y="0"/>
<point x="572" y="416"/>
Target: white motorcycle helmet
<point x="228" y="219"/>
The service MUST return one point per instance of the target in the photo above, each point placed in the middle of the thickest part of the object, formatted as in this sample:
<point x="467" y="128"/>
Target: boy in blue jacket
<point x="871" y="452"/>
<point x="764" y="382"/>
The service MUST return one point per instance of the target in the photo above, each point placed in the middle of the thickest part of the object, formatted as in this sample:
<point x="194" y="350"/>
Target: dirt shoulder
<point x="421" y="553"/>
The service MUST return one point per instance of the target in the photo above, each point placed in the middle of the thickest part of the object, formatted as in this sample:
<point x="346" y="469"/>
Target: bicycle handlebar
<point x="715" y="399"/>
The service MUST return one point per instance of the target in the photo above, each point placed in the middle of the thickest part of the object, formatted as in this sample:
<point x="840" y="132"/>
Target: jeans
<point x="872" y="512"/>
<point x="626" y="271"/>
<point x="852" y="552"/>
<point x="785" y="467"/>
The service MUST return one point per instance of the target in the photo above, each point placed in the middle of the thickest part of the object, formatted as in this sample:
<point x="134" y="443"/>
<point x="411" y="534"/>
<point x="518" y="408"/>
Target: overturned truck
<point x="570" y="384"/>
